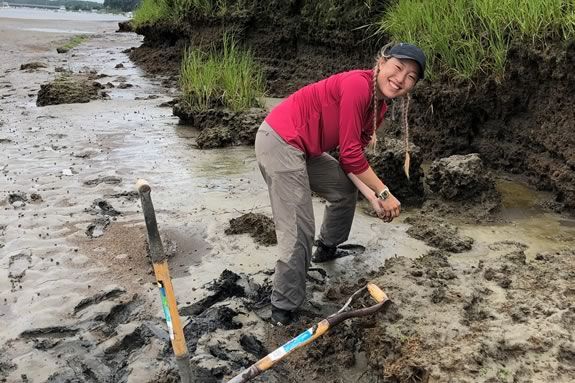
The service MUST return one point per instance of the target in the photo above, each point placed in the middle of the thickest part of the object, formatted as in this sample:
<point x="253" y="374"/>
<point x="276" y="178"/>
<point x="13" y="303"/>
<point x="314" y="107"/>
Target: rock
<point x="118" y="66"/>
<point x="125" y="85"/>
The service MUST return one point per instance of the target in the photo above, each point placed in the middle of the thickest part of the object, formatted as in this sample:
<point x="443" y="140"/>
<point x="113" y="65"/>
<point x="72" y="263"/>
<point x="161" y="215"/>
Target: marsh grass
<point x="466" y="37"/>
<point x="229" y="77"/>
<point x="150" y="11"/>
<point x="72" y="43"/>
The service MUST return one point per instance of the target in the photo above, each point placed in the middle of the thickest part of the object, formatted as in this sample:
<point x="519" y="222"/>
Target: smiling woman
<point x="342" y="111"/>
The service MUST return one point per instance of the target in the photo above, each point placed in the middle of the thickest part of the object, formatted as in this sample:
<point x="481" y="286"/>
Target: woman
<point x="291" y="146"/>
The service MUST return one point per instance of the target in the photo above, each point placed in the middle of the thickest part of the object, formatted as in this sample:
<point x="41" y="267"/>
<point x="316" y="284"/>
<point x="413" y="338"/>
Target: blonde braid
<point x="381" y="55"/>
<point x="373" y="141"/>
<point x="404" y="112"/>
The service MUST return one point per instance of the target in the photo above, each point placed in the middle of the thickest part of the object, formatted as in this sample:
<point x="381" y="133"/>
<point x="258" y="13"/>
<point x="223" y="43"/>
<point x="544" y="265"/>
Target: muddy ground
<point x="77" y="299"/>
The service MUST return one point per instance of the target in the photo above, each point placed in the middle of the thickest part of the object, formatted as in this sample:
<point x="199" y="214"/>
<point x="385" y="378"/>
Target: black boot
<point x="281" y="317"/>
<point x="324" y="253"/>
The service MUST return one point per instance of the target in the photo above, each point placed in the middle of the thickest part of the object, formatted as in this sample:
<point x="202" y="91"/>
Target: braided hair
<point x="404" y="111"/>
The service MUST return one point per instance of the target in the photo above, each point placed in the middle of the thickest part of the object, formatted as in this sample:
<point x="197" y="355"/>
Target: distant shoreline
<point x="32" y="13"/>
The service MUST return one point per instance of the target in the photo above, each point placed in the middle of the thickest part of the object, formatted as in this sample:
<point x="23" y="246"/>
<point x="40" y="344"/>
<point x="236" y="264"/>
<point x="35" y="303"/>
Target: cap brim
<point x="422" y="74"/>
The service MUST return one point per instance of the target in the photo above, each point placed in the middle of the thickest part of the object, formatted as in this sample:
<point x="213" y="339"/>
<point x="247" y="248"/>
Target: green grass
<point x="464" y="38"/>
<point x="229" y="78"/>
<point x="150" y="11"/>
<point x="72" y="43"/>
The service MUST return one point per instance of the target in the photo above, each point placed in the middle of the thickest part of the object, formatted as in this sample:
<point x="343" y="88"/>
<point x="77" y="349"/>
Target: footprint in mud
<point x="98" y="227"/>
<point x="17" y="265"/>
<point x="109" y="180"/>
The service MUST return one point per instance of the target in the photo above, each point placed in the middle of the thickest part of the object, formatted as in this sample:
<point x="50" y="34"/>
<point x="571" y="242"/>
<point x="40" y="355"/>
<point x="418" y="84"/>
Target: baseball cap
<point x="411" y="52"/>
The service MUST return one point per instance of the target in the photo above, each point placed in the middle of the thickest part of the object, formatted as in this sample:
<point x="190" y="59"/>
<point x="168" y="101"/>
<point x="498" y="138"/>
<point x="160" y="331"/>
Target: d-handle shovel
<point x="314" y="332"/>
<point x="162" y="272"/>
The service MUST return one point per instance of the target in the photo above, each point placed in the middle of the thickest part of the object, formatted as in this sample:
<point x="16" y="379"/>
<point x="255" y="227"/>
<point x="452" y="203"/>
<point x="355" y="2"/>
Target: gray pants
<point x="291" y="177"/>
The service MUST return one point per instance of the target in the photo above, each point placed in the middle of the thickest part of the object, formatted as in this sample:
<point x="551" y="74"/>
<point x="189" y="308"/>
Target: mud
<point x="68" y="90"/>
<point x="260" y="227"/>
<point x="438" y="233"/>
<point x="222" y="127"/>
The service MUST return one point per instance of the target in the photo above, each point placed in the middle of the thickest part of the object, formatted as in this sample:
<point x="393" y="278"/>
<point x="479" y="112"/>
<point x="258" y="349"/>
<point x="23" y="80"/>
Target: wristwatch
<point x="384" y="194"/>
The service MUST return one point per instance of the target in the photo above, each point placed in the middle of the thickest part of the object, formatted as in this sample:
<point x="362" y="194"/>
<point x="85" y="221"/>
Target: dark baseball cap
<point x="411" y="52"/>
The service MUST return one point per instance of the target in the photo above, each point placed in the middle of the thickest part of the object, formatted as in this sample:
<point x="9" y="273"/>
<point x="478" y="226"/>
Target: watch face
<point x="384" y="194"/>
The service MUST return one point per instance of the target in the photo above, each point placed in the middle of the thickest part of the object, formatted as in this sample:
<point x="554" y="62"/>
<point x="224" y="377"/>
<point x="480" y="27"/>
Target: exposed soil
<point x="523" y="124"/>
<point x="221" y="127"/>
<point x="296" y="42"/>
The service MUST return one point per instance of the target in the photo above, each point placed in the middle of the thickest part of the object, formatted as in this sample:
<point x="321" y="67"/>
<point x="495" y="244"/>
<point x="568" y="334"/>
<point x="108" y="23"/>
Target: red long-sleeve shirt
<point x="330" y="113"/>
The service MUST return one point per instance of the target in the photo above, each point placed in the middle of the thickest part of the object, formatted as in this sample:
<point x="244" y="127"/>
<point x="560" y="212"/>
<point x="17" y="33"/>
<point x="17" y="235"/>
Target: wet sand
<point x="63" y="153"/>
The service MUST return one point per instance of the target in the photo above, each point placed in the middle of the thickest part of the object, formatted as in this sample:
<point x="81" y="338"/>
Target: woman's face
<point x="397" y="76"/>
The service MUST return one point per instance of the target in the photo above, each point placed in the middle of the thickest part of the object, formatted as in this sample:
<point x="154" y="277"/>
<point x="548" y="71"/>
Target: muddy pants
<point x="291" y="177"/>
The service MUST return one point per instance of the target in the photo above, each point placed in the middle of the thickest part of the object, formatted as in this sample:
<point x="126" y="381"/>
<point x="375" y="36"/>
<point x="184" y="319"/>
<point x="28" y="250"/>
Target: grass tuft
<point x="72" y="43"/>
<point x="229" y="78"/>
<point x="466" y="37"/>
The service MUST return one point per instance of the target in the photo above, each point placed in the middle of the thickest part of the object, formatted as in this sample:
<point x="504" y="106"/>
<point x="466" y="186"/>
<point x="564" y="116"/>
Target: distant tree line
<point x="73" y="5"/>
<point x="121" y="5"/>
<point x="81" y="5"/>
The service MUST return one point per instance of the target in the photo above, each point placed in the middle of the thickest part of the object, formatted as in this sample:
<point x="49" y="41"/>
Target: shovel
<point x="164" y="282"/>
<point x="314" y="332"/>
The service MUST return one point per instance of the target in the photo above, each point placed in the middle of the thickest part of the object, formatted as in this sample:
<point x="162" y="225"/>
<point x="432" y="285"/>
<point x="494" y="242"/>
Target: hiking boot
<point x="281" y="317"/>
<point x="324" y="253"/>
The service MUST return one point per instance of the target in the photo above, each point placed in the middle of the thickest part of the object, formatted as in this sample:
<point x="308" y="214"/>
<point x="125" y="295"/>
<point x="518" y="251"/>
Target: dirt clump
<point x="229" y="284"/>
<point x="69" y="89"/>
<point x="221" y="127"/>
<point x="460" y="186"/>
<point x="260" y="227"/>
<point x="31" y="66"/>
<point x="125" y="26"/>
<point x="438" y="233"/>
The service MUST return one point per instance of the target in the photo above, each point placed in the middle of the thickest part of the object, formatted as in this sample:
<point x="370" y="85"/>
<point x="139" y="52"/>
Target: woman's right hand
<point x="388" y="208"/>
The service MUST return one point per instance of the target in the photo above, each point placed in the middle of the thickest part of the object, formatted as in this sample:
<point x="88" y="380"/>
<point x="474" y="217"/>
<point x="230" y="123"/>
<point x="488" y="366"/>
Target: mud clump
<point x="125" y="26"/>
<point x="388" y="162"/>
<point x="69" y="90"/>
<point x="460" y="177"/>
<point x="460" y="186"/>
<point x="222" y="127"/>
<point x="31" y="66"/>
<point x="438" y="233"/>
<point x="226" y="286"/>
<point x="260" y="227"/>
